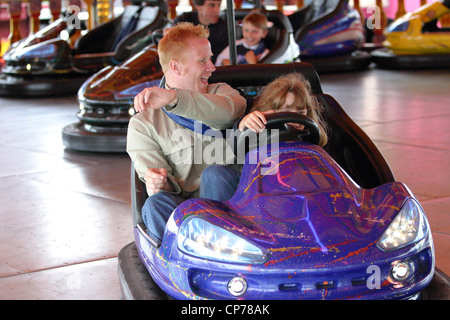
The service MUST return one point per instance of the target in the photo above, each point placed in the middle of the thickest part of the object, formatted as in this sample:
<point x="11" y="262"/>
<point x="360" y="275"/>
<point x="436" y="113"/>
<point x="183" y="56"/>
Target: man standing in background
<point x="208" y="14"/>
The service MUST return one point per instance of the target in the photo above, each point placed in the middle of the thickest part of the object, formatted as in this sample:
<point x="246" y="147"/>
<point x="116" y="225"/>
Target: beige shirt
<point x="156" y="141"/>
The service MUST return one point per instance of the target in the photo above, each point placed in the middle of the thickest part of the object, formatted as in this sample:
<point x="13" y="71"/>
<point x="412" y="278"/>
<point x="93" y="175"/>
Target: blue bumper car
<point x="53" y="62"/>
<point x="305" y="222"/>
<point x="331" y="41"/>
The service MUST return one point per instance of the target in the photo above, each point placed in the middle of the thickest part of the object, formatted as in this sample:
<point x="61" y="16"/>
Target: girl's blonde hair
<point x="274" y="95"/>
<point x="173" y="45"/>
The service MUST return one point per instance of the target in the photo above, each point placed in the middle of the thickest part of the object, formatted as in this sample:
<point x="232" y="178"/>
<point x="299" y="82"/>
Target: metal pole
<point x="231" y="31"/>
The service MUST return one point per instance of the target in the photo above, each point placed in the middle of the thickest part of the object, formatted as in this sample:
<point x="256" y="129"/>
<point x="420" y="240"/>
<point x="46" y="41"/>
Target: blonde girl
<point x="290" y="92"/>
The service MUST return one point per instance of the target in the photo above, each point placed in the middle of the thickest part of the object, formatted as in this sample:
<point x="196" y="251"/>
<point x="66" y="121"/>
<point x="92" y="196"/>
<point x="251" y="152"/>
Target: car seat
<point x="301" y="17"/>
<point x="114" y="41"/>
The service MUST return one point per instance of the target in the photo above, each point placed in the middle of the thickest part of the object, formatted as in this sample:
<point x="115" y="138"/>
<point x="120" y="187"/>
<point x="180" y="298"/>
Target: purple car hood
<point x="327" y="219"/>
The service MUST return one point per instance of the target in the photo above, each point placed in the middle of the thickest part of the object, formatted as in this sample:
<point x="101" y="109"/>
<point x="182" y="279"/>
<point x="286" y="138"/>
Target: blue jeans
<point x="218" y="182"/>
<point x="157" y="210"/>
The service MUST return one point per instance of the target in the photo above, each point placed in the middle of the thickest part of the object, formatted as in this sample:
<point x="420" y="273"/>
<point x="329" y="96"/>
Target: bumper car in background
<point x="416" y="40"/>
<point x="36" y="65"/>
<point x="106" y="103"/>
<point x="45" y="64"/>
<point x="106" y="98"/>
<point x="304" y="223"/>
<point x="331" y="41"/>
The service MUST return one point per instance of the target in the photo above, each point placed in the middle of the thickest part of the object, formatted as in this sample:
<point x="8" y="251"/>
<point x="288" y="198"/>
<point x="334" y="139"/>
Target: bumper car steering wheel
<point x="279" y="125"/>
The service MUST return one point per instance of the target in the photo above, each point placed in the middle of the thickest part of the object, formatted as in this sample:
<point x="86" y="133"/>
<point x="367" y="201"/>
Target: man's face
<point x="208" y="13"/>
<point x="196" y="67"/>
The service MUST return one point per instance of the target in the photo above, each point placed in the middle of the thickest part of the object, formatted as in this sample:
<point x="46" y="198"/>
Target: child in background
<point x="251" y="48"/>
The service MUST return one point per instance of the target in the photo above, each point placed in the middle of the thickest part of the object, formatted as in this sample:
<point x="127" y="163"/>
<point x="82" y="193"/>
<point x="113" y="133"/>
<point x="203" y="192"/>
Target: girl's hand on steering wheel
<point x="255" y="121"/>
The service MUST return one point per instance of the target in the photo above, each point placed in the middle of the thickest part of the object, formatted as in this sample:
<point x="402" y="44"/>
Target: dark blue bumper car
<point x="331" y="41"/>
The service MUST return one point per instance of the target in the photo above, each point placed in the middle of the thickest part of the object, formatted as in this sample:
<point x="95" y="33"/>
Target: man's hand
<point x="154" y="98"/>
<point x="156" y="180"/>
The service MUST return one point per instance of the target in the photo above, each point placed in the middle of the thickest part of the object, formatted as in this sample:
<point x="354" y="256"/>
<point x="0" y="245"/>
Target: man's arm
<point x="219" y="108"/>
<point x="146" y="153"/>
<point x="155" y="98"/>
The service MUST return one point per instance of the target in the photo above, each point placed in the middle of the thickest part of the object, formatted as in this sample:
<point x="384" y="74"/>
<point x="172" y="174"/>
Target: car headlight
<point x="202" y="239"/>
<point x="47" y="51"/>
<point x="409" y="226"/>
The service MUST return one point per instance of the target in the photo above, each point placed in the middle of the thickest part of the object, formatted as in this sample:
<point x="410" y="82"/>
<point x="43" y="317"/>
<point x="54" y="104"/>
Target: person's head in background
<point x="208" y="11"/>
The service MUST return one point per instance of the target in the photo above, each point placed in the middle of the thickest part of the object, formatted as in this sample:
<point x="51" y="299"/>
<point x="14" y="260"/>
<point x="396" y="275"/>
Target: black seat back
<point x="301" y="17"/>
<point x="150" y="19"/>
<point x="261" y="74"/>
<point x="138" y="196"/>
<point x="119" y="33"/>
<point x="102" y="37"/>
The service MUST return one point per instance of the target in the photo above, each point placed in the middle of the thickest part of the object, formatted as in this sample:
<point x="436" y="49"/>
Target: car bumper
<point x="183" y="277"/>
